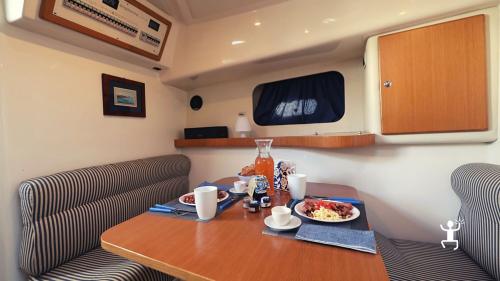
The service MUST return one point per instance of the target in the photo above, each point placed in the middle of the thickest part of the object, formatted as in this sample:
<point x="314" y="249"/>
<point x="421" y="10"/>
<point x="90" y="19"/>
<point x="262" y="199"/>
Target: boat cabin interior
<point x="235" y="140"/>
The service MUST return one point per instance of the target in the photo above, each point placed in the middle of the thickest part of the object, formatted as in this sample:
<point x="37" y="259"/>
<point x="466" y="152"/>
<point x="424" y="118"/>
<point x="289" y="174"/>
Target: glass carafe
<point x="264" y="163"/>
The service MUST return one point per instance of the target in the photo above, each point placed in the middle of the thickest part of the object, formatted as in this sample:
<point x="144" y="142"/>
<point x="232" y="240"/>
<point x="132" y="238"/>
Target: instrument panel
<point x="124" y="23"/>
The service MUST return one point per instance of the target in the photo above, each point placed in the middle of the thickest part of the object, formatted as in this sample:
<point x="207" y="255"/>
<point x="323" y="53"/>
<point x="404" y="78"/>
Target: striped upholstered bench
<point x="478" y="258"/>
<point x="64" y="215"/>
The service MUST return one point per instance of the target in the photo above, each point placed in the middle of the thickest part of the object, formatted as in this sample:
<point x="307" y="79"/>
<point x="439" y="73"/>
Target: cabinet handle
<point x="387" y="83"/>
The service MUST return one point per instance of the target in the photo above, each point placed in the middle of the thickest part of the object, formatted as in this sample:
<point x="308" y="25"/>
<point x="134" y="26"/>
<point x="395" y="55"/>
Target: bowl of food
<point x="247" y="173"/>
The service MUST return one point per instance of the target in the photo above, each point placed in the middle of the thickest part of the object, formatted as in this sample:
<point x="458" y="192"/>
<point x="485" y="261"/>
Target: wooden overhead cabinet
<point x="433" y="79"/>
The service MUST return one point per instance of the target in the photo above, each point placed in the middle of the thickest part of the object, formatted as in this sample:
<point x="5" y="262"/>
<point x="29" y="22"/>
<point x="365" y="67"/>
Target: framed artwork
<point x="123" y="97"/>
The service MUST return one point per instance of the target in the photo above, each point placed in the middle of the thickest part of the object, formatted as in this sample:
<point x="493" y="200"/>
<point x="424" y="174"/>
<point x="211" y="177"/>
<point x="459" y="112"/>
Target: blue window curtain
<point x="317" y="98"/>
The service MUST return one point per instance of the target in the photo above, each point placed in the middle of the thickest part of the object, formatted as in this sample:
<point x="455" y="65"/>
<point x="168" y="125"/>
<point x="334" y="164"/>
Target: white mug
<point x="297" y="186"/>
<point x="205" y="199"/>
<point x="281" y="215"/>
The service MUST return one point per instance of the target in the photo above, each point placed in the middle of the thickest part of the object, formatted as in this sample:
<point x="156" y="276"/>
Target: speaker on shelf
<point x="206" y="132"/>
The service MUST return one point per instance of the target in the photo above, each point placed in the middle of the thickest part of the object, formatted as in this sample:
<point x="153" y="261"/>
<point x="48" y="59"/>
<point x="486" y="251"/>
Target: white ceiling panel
<point x="194" y="11"/>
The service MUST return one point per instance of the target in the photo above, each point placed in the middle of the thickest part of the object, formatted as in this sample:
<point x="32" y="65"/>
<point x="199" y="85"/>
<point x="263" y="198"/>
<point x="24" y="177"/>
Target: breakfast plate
<point x="294" y="223"/>
<point x="188" y="198"/>
<point x="299" y="210"/>
<point x="233" y="190"/>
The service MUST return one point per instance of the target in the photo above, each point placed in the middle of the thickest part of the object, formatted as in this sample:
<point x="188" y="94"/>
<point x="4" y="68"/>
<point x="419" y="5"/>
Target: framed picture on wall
<point x="123" y="97"/>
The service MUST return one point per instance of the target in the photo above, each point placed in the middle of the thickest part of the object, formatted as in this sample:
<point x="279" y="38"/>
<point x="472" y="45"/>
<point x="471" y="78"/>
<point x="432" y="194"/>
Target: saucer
<point x="233" y="190"/>
<point x="294" y="223"/>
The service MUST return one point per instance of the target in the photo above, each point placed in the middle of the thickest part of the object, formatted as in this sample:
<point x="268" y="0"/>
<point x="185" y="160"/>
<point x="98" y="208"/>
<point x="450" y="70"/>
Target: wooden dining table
<point x="232" y="246"/>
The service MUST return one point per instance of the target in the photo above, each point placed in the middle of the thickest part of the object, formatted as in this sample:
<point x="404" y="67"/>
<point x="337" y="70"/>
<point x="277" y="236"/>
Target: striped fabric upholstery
<point x="413" y="261"/>
<point x="397" y="267"/>
<point x="101" y="265"/>
<point x="478" y="186"/>
<point x="64" y="214"/>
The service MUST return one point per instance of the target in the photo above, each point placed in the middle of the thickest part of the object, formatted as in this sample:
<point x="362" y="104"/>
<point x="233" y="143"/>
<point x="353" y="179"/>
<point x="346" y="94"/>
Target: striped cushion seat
<point x="478" y="187"/>
<point x="101" y="265"/>
<point x="413" y="261"/>
<point x="397" y="267"/>
<point x="65" y="214"/>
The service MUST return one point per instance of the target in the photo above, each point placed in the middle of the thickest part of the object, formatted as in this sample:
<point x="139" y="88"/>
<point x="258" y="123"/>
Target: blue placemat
<point x="359" y="224"/>
<point x="189" y="212"/>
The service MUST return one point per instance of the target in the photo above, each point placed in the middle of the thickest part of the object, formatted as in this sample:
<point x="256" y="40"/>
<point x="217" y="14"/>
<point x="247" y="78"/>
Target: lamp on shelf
<point x="242" y="126"/>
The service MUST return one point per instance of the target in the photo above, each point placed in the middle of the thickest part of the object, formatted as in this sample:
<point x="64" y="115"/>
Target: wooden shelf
<point x="336" y="141"/>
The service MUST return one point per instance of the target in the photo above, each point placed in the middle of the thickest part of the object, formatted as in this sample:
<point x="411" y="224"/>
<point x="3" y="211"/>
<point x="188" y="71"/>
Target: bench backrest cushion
<point x="478" y="186"/>
<point x="64" y="214"/>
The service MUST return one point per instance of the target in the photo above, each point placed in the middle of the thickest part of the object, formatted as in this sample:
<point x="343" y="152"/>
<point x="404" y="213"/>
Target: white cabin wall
<point x="228" y="99"/>
<point x="494" y="148"/>
<point x="406" y="187"/>
<point x="51" y="120"/>
<point x="3" y="214"/>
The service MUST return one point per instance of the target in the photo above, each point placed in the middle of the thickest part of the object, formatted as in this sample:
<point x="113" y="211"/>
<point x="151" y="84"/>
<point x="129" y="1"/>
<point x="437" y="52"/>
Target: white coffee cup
<point x="297" y="186"/>
<point x="240" y="186"/>
<point x="205" y="198"/>
<point x="281" y="215"/>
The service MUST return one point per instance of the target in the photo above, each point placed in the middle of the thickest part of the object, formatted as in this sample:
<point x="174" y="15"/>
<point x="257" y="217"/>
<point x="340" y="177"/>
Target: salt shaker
<point x="246" y="202"/>
<point x="265" y="202"/>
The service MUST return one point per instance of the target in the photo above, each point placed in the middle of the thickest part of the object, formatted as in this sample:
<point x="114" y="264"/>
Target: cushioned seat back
<point x="64" y="214"/>
<point x="478" y="186"/>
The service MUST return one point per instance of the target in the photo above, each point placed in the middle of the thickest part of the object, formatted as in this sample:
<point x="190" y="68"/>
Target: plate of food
<point x="327" y="210"/>
<point x="188" y="198"/>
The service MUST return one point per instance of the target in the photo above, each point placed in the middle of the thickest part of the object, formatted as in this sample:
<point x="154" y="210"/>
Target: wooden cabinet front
<point x="433" y="79"/>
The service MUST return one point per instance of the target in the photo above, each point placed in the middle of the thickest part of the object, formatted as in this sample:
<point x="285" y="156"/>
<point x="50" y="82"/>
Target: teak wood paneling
<point x="326" y="142"/>
<point x="47" y="7"/>
<point x="232" y="247"/>
<point x="438" y="76"/>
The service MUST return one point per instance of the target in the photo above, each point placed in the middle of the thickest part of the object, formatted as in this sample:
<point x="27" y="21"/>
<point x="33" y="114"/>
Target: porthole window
<point x="317" y="98"/>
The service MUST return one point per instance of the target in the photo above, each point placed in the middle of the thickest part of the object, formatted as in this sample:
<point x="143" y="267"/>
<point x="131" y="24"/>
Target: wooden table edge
<point x="152" y="263"/>
<point x="171" y="269"/>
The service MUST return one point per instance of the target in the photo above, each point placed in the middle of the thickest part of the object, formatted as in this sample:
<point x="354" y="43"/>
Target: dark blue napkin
<point x="360" y="240"/>
<point x="223" y="187"/>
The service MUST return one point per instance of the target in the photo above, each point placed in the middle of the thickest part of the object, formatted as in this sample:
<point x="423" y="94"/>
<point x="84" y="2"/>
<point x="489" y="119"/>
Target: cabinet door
<point x="433" y="79"/>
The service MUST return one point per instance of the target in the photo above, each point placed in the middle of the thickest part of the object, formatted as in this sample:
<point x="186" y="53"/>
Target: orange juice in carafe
<point x="264" y="163"/>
